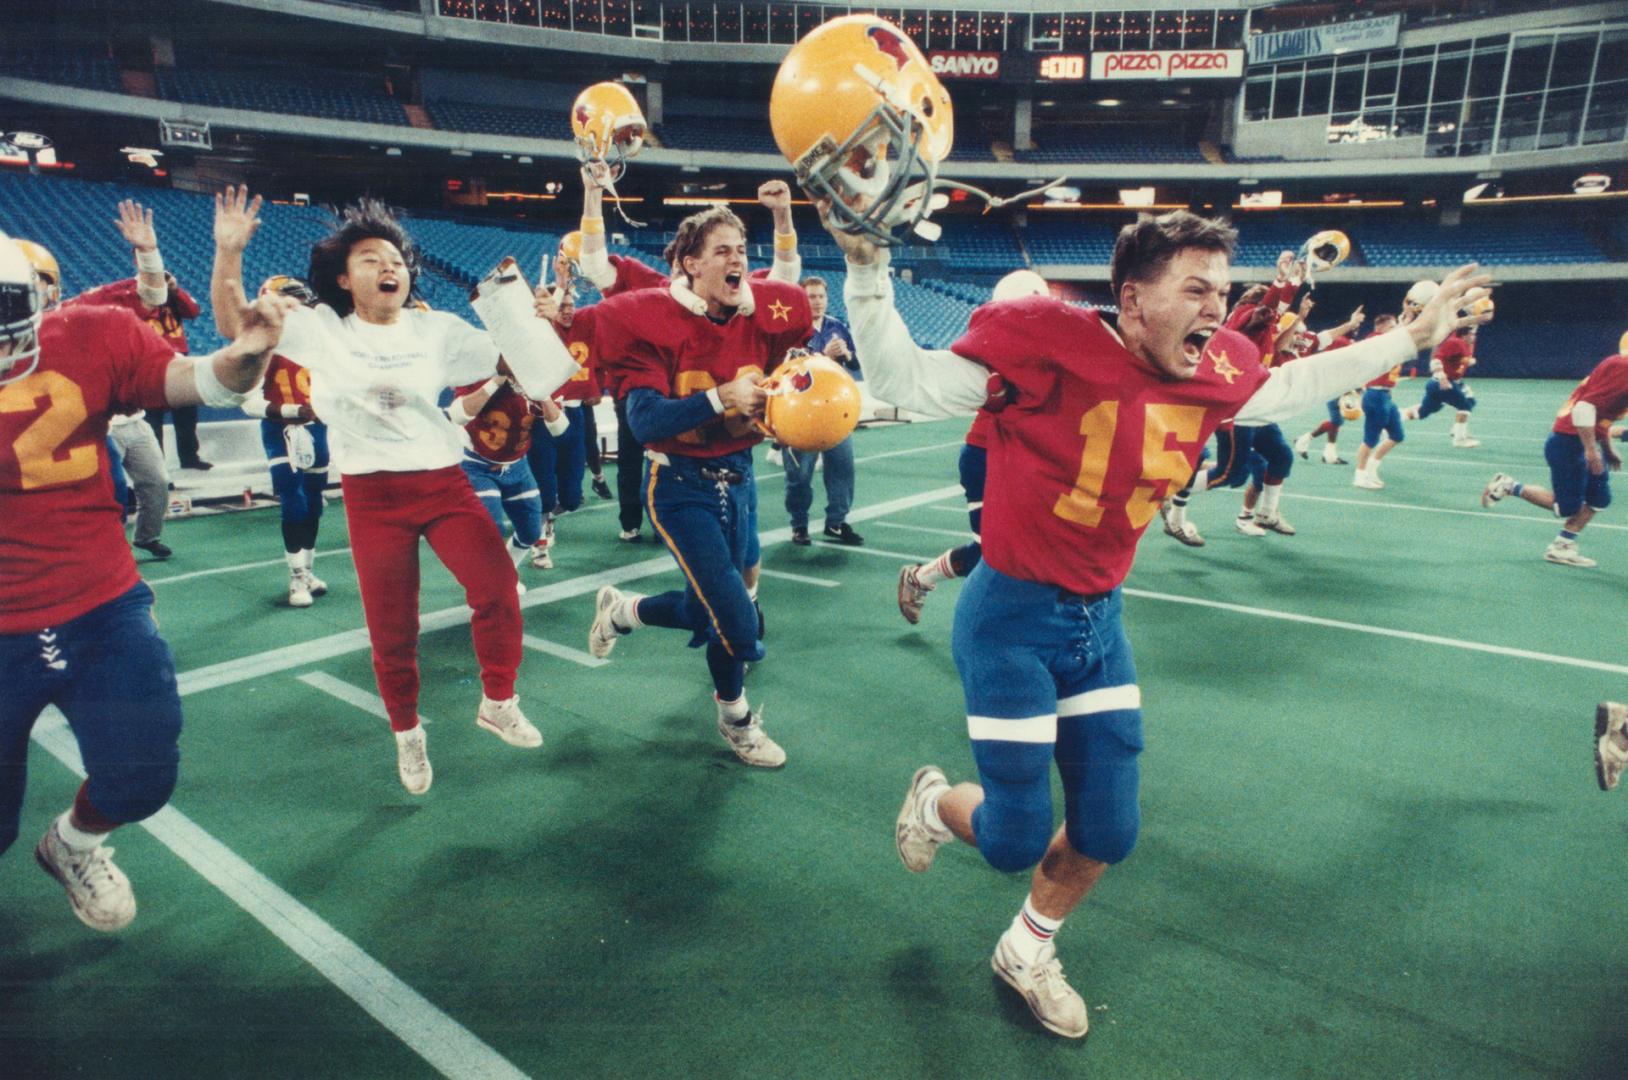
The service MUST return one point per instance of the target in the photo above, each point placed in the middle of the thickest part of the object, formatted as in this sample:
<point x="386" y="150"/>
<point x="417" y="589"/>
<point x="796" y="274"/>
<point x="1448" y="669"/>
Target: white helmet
<point x="20" y="313"/>
<point x="1421" y="294"/>
<point x="1020" y="283"/>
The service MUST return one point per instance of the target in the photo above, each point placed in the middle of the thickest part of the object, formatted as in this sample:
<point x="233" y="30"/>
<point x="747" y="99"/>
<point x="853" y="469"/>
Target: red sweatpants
<point x="387" y="513"/>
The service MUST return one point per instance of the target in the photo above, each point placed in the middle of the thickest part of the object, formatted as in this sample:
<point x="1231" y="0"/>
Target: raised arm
<point x="788" y="265"/>
<point x="135" y="224"/>
<point x="236" y="218"/>
<point x="1311" y="381"/>
<point x="226" y="376"/>
<point x="595" y="264"/>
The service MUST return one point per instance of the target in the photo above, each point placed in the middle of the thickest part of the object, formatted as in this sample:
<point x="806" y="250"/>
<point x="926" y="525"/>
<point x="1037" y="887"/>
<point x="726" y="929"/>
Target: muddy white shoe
<point x="413" y="761"/>
<point x="98" y="891"/>
<point x="299" y="591"/>
<point x="603" y="633"/>
<point x="1275" y="523"/>
<point x="1302" y="445"/>
<point x="1565" y="553"/>
<point x="1184" y="531"/>
<point x="313" y="584"/>
<point x="542" y="555"/>
<point x="749" y="742"/>
<point x="1331" y="456"/>
<point x="1610" y="724"/>
<point x="1247" y="526"/>
<point x="916" y="840"/>
<point x="1367" y="481"/>
<point x="1469" y="442"/>
<point x="1053" y="1002"/>
<point x="1500" y="485"/>
<point x="912" y="593"/>
<point x="505" y="720"/>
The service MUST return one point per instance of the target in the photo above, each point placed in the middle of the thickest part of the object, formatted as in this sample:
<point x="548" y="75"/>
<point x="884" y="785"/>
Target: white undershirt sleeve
<point x="934" y="382"/>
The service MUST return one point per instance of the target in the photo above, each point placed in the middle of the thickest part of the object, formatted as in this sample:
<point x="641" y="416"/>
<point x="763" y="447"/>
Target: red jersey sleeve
<point x="185" y="306"/>
<point x="140" y="359"/>
<point x="631" y="359"/>
<point x="1453" y="354"/>
<point x="117" y="294"/>
<point x="631" y="274"/>
<point x="1020" y="340"/>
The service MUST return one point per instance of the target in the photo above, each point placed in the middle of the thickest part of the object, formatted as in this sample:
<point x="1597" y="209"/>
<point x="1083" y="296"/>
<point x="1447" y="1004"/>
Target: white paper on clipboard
<point x="539" y="359"/>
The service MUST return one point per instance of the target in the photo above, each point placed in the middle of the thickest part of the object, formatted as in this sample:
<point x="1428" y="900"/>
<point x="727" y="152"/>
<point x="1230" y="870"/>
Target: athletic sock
<point x="295" y="561"/>
<point x="78" y="840"/>
<point x="936" y="571"/>
<point x="1516" y="489"/>
<point x="1031" y="932"/>
<point x="735" y="713"/>
<point x="1567" y="534"/>
<point x="1268" y="506"/>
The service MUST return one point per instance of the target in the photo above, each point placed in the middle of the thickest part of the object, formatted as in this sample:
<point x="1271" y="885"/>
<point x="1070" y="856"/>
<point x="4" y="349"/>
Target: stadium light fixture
<point x="1110" y="103"/>
<point x="1140" y="197"/>
<point x="392" y="151"/>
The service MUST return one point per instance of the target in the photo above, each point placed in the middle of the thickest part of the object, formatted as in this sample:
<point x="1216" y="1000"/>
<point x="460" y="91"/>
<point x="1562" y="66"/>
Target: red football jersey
<point x="286" y="383"/>
<point x="62" y="546"/>
<point x="166" y="320"/>
<point x="579" y="339"/>
<point x="1454" y="354"/>
<point x="1605" y="388"/>
<point x="632" y="274"/>
<point x="501" y="431"/>
<point x="1091" y="439"/>
<point x="978" y="433"/>
<point x="651" y="341"/>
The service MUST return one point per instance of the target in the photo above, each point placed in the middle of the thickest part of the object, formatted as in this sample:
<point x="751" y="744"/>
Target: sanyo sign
<point x="965" y="65"/>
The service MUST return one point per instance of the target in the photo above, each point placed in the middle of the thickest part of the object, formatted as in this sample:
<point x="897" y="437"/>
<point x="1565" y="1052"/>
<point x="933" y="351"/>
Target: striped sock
<point x="1031" y="932"/>
<point x="940" y="569"/>
<point x="1516" y="489"/>
<point x="1567" y="534"/>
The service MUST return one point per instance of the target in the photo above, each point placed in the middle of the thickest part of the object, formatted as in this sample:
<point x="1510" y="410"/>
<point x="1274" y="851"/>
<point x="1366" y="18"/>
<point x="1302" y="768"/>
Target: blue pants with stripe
<point x="1458" y="395"/>
<point x="1048" y="677"/>
<point x="570" y="459"/>
<point x="706" y="525"/>
<point x="507" y="491"/>
<point x="299" y="493"/>
<point x="114" y="679"/>
<point x="1573" y="485"/>
<point x="1380" y="416"/>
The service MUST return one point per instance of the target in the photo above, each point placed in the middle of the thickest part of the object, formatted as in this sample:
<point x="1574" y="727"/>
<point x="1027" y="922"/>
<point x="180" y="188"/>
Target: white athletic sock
<point x="936" y="571"/>
<point x="77" y="839"/>
<point x="295" y="561"/>
<point x="626" y="614"/>
<point x="1268" y="505"/>
<point x="306" y="557"/>
<point x="1176" y="515"/>
<point x="518" y="555"/>
<point x="751" y="594"/>
<point x="1461" y="429"/>
<point x="733" y="712"/>
<point x="1031" y="932"/>
<point x="929" y="810"/>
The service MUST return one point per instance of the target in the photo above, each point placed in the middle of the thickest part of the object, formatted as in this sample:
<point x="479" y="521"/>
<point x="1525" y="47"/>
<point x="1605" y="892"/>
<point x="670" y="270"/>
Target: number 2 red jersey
<point x="579" y="340"/>
<point x="1605" y="388"/>
<point x="651" y="341"/>
<point x="62" y="546"/>
<point x="1091" y="439"/>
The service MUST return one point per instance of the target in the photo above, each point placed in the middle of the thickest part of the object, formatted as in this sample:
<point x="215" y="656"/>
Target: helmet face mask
<point x="21" y="312"/>
<point x="285" y="285"/>
<point x="608" y="125"/>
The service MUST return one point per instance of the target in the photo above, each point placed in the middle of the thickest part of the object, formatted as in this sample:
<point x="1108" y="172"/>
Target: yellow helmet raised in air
<point x="865" y="123"/>
<point x="609" y="125"/>
<point x="1326" y="250"/>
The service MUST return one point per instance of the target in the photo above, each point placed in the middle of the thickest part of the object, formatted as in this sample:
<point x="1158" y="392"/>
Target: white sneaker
<point x="912" y="593"/>
<point x="1275" y="523"/>
<point x="1331" y="456"/>
<point x="98" y="891"/>
<point x="505" y="720"/>
<point x="916" y="840"/>
<point x="1469" y="442"/>
<point x="1302" y="445"/>
<point x="749" y="742"/>
<point x="1565" y="553"/>
<point x="1411" y="412"/>
<point x="313" y="584"/>
<point x="1186" y="532"/>
<point x="413" y="761"/>
<point x="775" y="457"/>
<point x="299" y="591"/>
<point x="1610" y="719"/>
<point x="1247" y="526"/>
<point x="628" y="536"/>
<point x="1367" y="481"/>
<point x="1500" y="485"/>
<point x="1053" y="1002"/>
<point x="603" y="633"/>
<point x="542" y="555"/>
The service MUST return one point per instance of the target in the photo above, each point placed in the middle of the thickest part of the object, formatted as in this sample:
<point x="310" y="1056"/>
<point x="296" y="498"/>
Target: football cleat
<point x="916" y="840"/>
<point x="542" y="556"/>
<point x="1565" y="553"/>
<point x="1468" y="442"/>
<point x="1411" y="412"/>
<point x="413" y="761"/>
<point x="1186" y="531"/>
<point x="912" y="593"/>
<point x="1054" y="1003"/>
<point x="1302" y="446"/>
<point x="1500" y="485"/>
<point x="1275" y="523"/>
<point x="299" y="592"/>
<point x="749" y="742"/>
<point x="603" y="633"/>
<point x="629" y="536"/>
<point x="1367" y="481"/>
<point x="1610" y="725"/>
<point x="1246" y="525"/>
<point x="313" y="584"/>
<point x="505" y="720"/>
<point x="98" y="891"/>
<point x="1332" y="456"/>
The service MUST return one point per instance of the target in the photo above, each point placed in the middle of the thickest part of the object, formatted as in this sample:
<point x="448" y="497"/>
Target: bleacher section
<point x="732" y="136"/>
<point x="283" y="89"/>
<point x="1070" y="241"/>
<point x="1100" y="146"/>
<point x="1503" y="242"/>
<point x="89" y="69"/>
<point x="499" y="120"/>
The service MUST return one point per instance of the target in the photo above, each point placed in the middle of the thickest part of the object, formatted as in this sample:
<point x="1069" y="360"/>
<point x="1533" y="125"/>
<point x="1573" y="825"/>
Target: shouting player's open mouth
<point x="1192" y="346"/>
<point x="388" y="285"/>
<point x="733" y="280"/>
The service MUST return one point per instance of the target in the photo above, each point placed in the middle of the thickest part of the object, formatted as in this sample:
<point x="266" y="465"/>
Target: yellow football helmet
<point x="1325" y="250"/>
<point x="21" y="311"/>
<point x="813" y="404"/>
<point x="1350" y="405"/>
<point x="45" y="265"/>
<point x="1420" y="294"/>
<point x="609" y="126"/>
<point x="863" y="120"/>
<point x="1481" y="306"/>
<point x="284" y="285"/>
<point x="1622" y="345"/>
<point x="571" y="249"/>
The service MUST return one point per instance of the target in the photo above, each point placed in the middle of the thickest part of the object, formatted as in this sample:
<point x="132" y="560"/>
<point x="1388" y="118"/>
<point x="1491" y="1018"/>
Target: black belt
<point x="723" y="476"/>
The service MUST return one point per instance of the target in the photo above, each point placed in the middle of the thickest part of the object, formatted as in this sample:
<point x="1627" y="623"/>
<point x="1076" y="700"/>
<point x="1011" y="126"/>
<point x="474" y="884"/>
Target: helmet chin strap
<point x="995" y="202"/>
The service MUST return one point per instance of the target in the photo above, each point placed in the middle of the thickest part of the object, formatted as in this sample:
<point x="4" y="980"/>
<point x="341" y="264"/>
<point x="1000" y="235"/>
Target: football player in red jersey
<point x="1452" y="361"/>
<point x="1103" y="416"/>
<point x="76" y="623"/>
<point x="1581" y="459"/>
<point x="689" y="359"/>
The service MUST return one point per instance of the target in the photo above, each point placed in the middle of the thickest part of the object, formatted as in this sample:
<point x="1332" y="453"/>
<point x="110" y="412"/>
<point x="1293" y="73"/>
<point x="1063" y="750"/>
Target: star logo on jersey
<point x="1224" y="368"/>
<point x="781" y="312"/>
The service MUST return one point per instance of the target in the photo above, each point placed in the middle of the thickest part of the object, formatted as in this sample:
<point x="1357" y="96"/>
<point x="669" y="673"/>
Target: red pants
<point x="388" y="512"/>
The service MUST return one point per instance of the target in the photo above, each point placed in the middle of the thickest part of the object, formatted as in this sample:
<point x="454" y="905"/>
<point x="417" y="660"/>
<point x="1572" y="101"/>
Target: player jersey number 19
<point x="1160" y="461"/>
<point x="38" y="445"/>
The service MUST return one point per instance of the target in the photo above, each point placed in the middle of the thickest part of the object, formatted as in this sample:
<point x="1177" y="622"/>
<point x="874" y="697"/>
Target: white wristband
<point x="717" y="401"/>
<point x="149" y="262"/>
<point x="211" y="391"/>
<point x="289" y="412"/>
